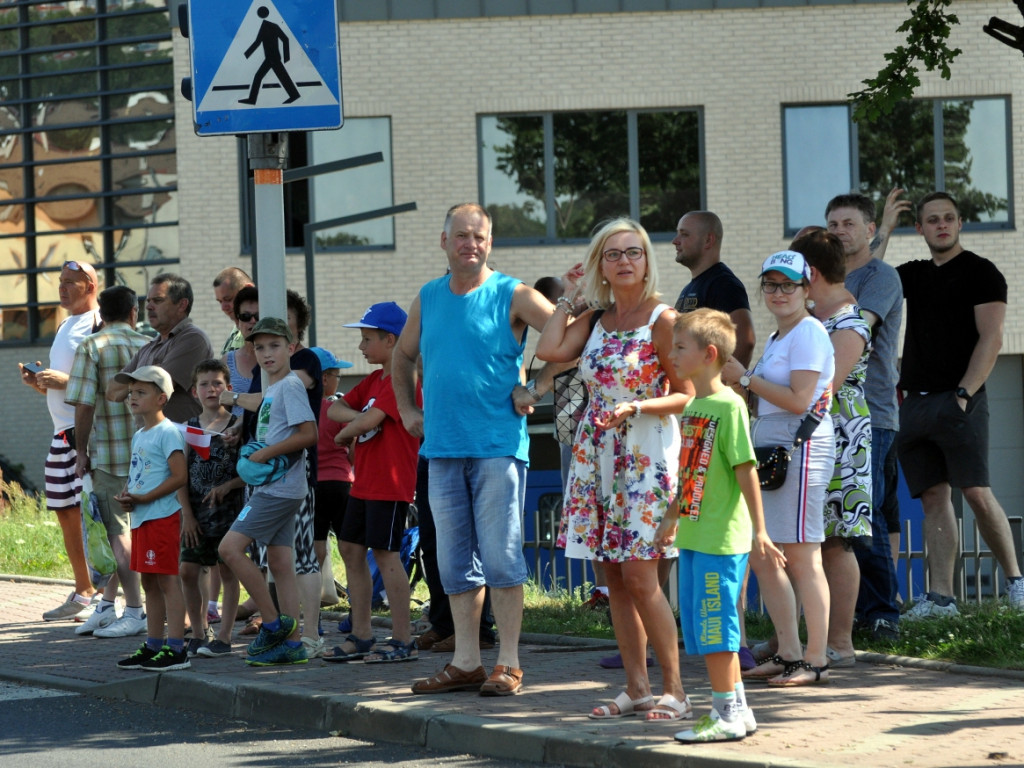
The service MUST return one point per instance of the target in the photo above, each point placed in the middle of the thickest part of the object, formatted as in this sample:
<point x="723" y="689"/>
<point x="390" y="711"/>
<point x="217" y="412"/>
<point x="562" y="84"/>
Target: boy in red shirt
<point x="380" y="497"/>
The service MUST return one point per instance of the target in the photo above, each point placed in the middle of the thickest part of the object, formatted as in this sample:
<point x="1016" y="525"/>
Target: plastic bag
<point x="98" y="554"/>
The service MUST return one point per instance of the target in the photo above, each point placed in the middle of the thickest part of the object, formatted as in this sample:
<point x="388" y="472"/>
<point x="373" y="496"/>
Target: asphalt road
<point x="55" y="729"/>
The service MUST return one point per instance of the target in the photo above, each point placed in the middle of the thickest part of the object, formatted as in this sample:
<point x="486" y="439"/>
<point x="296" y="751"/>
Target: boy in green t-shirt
<point x="717" y="512"/>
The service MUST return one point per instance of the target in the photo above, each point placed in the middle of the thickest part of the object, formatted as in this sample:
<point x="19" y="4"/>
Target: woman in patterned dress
<point x="848" y="499"/>
<point x="625" y="458"/>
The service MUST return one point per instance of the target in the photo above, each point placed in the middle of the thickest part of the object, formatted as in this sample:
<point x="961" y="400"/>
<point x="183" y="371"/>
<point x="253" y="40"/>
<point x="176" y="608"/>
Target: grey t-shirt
<point x="284" y="407"/>
<point x="878" y="289"/>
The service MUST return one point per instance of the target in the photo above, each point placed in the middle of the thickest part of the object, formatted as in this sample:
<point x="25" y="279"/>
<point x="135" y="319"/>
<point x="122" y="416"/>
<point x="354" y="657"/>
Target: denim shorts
<point x="478" y="511"/>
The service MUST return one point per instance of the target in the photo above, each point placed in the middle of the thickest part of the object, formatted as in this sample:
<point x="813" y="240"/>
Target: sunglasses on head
<point x="245" y="317"/>
<point x="75" y="266"/>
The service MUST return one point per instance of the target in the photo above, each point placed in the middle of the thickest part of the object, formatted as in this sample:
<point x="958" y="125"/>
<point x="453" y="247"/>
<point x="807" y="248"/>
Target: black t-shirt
<point x="716" y="288"/>
<point x="941" y="332"/>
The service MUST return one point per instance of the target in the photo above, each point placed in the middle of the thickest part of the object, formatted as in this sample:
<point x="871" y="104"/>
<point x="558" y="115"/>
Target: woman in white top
<point x="793" y="377"/>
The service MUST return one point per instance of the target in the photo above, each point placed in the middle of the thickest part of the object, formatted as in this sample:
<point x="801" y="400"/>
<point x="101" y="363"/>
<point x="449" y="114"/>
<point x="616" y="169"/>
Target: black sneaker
<point x="135" y="661"/>
<point x="193" y="647"/>
<point x="167" y="660"/>
<point x="885" y="630"/>
<point x="215" y="649"/>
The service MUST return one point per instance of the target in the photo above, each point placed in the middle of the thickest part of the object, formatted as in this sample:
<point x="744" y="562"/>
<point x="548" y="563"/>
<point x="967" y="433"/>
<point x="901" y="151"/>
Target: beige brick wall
<point x="433" y="78"/>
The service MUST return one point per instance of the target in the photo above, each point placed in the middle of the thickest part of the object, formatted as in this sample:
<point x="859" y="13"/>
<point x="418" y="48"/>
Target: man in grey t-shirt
<point x="879" y="294"/>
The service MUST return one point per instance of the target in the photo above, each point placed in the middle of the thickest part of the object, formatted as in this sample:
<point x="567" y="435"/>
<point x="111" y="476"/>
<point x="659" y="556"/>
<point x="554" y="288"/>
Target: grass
<point x="990" y="634"/>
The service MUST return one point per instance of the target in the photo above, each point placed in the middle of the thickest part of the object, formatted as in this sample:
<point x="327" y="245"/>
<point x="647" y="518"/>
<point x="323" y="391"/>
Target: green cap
<point x="273" y="326"/>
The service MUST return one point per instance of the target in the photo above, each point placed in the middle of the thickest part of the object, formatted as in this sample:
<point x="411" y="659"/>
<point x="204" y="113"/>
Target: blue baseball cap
<point x="254" y="473"/>
<point x="790" y="263"/>
<point x="386" y="316"/>
<point x="328" y="360"/>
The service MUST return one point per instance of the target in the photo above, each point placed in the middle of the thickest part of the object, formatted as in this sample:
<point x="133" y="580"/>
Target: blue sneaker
<point x="279" y="654"/>
<point x="266" y="639"/>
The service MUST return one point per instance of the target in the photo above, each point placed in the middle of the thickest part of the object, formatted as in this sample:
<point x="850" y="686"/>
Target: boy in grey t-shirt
<point x="285" y="428"/>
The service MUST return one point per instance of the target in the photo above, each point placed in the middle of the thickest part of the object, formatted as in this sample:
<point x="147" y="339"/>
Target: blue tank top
<point x="471" y="362"/>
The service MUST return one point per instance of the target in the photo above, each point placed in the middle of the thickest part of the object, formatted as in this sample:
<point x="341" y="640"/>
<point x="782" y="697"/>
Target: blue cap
<point x="790" y="263"/>
<point x="328" y="360"/>
<point x="386" y="316"/>
<point x="260" y="474"/>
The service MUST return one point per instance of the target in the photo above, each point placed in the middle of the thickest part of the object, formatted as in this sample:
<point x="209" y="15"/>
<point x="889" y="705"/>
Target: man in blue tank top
<point x="470" y="326"/>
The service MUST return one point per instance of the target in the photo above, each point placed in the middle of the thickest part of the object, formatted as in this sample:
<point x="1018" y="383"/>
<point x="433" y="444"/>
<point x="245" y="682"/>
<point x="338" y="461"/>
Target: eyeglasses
<point x="245" y="317"/>
<point x="787" y="287"/>
<point x="630" y="253"/>
<point x="74" y="266"/>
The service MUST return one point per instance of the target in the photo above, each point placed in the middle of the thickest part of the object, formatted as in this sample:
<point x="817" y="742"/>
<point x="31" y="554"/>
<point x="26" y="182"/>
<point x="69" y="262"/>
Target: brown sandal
<point x="451" y="678"/>
<point x="504" y="681"/>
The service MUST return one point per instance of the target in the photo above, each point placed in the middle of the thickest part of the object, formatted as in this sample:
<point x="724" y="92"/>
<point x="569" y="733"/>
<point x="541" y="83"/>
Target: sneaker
<point x="212" y="616"/>
<point x="266" y="639"/>
<point x="1015" y="593"/>
<point x="925" y="607"/>
<point x="126" y="626"/>
<point x="885" y="630"/>
<point x="282" y="653"/>
<point x="710" y="728"/>
<point x="193" y="647"/>
<point x="214" y="649"/>
<point x="145" y="653"/>
<point x="746" y="715"/>
<point x="97" y="620"/>
<point x="314" y="647"/>
<point x="70" y="608"/>
<point x="166" y="660"/>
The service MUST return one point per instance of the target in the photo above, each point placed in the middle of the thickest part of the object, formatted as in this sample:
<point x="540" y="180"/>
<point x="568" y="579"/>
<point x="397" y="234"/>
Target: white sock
<point x="104" y="604"/>
<point x="134" y="611"/>
<point x="725" y="705"/>
<point x="741" y="696"/>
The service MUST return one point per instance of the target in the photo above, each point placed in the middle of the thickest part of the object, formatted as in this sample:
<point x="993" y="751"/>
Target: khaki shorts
<point x="106" y="486"/>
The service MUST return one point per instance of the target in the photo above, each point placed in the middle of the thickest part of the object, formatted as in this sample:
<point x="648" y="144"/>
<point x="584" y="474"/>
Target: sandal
<point x="627" y="707"/>
<point x="669" y="709"/>
<point x="393" y="651"/>
<point x="252" y="626"/>
<point x="362" y="649"/>
<point x="788" y="680"/>
<point x="761" y="671"/>
<point x="504" y="681"/>
<point x="451" y="678"/>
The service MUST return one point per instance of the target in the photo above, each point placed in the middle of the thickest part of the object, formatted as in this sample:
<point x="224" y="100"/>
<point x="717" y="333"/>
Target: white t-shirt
<point x="806" y="347"/>
<point x="62" y="356"/>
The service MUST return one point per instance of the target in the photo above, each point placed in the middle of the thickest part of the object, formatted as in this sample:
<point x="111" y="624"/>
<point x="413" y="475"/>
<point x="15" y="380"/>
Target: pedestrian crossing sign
<point x="260" y="66"/>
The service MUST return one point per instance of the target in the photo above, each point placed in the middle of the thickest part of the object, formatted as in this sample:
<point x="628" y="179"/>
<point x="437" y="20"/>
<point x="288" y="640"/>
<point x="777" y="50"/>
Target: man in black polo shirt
<point x="956" y="303"/>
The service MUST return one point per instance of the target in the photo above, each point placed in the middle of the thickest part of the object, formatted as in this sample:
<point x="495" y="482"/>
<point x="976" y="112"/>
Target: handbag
<point x="571" y="397"/>
<point x="773" y="460"/>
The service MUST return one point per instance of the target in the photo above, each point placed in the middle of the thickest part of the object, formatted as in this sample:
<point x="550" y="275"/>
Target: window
<point x="552" y="177"/>
<point x="961" y="146"/>
<point x="339" y="193"/>
<point x="87" y="151"/>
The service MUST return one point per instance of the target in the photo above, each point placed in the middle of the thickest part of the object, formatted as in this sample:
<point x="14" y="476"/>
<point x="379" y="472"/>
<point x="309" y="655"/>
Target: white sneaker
<point x="926" y="608"/>
<point x="746" y="715"/>
<point x="314" y="647"/>
<point x="1015" y="593"/>
<point x="98" y="620"/>
<point x="713" y="729"/>
<point x="70" y="608"/>
<point x="126" y="626"/>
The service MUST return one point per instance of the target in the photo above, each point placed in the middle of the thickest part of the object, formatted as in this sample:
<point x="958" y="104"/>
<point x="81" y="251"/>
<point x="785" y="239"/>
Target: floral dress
<point x="848" y="500"/>
<point x="621" y="481"/>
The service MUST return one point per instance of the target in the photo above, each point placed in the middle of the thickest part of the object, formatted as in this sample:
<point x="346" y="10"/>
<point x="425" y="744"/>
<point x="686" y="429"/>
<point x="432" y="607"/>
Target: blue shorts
<point x="709" y="587"/>
<point x="478" y="511"/>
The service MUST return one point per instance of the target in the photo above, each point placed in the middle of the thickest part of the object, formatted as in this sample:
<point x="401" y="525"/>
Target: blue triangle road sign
<point x="260" y="66"/>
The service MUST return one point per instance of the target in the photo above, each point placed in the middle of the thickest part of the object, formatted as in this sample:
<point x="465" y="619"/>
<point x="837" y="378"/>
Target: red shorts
<point x="156" y="545"/>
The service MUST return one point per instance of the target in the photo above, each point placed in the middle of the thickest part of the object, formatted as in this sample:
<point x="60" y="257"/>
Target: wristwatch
<point x="745" y="380"/>
<point x="234" y="398"/>
<point x="961" y="392"/>
<point x="531" y="387"/>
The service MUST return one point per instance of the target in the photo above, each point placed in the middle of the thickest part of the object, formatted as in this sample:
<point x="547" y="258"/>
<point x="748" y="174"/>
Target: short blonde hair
<point x="709" y="327"/>
<point x="595" y="291"/>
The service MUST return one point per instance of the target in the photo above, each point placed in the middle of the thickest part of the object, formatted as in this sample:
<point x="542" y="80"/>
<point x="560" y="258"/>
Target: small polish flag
<point x="199" y="439"/>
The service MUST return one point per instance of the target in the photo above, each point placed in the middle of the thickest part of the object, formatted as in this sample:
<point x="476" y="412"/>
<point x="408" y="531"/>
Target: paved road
<point x="889" y="712"/>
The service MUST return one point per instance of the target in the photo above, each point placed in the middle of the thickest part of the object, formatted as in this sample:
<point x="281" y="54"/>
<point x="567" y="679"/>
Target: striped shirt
<point x="97" y="360"/>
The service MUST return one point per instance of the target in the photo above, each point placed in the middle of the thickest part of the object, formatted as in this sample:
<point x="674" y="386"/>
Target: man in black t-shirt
<point x="956" y="303"/>
<point x="698" y="243"/>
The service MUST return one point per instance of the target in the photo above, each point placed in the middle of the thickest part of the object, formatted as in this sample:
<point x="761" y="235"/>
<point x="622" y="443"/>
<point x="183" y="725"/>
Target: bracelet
<point x="637" y="408"/>
<point x="565" y="305"/>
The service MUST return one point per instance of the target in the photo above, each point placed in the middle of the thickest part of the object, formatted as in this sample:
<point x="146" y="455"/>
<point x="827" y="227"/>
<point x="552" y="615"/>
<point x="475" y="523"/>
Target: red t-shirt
<point x="334" y="463"/>
<point x="385" y="457"/>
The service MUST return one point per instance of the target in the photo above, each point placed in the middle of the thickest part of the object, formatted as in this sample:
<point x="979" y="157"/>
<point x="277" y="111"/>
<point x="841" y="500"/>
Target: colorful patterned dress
<point x="848" y="500"/>
<point x="621" y="481"/>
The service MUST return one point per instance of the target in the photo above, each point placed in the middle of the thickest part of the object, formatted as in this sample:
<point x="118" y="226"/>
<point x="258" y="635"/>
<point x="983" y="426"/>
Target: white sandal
<point x="670" y="710"/>
<point x="627" y="707"/>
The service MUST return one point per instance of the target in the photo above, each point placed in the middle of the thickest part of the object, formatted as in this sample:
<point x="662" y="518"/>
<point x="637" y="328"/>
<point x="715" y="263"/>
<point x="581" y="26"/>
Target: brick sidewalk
<point x="876" y="714"/>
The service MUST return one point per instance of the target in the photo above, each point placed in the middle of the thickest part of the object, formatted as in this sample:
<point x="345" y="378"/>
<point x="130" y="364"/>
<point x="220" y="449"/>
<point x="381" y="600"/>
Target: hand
<point x="81" y="464"/>
<point x="571" y="281"/>
<point x="619" y="414"/>
<point x="343" y="442"/>
<point x="227" y="397"/>
<point x="764" y="547"/>
<point x="892" y="210"/>
<point x="731" y="371"/>
<point x="262" y="456"/>
<point x="233" y="436"/>
<point x="126" y="500"/>
<point x="191" y="533"/>
<point x="962" y="402"/>
<point x="665" y="536"/>
<point x="51" y="379"/>
<point x="217" y="495"/>
<point x="522" y="400"/>
<point x="412" y="420"/>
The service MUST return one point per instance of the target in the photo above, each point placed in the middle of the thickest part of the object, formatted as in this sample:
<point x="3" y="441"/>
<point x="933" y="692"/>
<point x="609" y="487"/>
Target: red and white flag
<point x="198" y="438"/>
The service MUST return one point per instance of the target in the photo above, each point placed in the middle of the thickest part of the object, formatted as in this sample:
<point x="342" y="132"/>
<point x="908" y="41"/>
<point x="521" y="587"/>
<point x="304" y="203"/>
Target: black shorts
<point x="891" y="502"/>
<point x="205" y="554"/>
<point x="331" y="503"/>
<point x="939" y="443"/>
<point x="375" y="524"/>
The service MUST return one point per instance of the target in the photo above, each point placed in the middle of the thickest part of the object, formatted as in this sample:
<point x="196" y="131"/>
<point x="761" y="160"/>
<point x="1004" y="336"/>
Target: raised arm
<point x="894" y="207"/>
